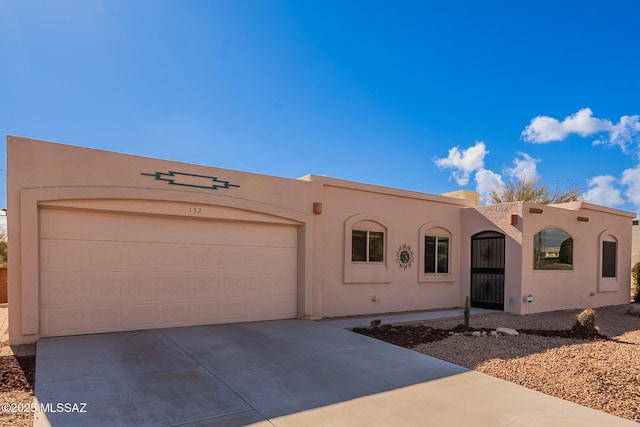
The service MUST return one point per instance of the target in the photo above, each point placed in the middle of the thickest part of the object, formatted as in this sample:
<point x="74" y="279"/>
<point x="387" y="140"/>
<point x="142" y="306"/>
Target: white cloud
<point x="526" y="167"/>
<point x="626" y="132"/>
<point x="464" y="161"/>
<point x="631" y="178"/>
<point x="543" y="129"/>
<point x="485" y="181"/>
<point x="603" y="192"/>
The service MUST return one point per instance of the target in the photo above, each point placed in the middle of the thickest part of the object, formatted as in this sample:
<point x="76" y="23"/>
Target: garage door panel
<point x="255" y="235"/>
<point x="205" y="312"/>
<point x="206" y="286"/>
<point x="140" y="257"/>
<point x="60" y="255"/>
<point x="124" y="272"/>
<point x="101" y="256"/>
<point x="174" y="313"/>
<point x="61" y="320"/>
<point x="60" y="288"/>
<point x="284" y="307"/>
<point x="102" y="317"/>
<point x="139" y="316"/>
<point x="257" y="259"/>
<point x="137" y="285"/>
<point x="174" y="287"/>
<point x="101" y="287"/>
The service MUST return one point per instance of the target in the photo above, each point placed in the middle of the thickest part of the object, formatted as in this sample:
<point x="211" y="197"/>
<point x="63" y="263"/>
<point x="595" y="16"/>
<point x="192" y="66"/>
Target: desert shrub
<point x="586" y="323"/>
<point x="635" y="287"/>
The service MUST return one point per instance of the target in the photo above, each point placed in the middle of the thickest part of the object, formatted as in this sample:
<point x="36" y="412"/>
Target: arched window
<point x="367" y="242"/>
<point x="552" y="250"/>
<point x="366" y="249"/>
<point x="437" y="260"/>
<point x="609" y="256"/>
<point x="436" y="252"/>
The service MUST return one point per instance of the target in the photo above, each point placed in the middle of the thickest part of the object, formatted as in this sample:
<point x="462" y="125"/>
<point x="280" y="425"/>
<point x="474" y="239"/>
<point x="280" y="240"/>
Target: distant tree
<point x="530" y="189"/>
<point x="3" y="250"/>
<point x="566" y="251"/>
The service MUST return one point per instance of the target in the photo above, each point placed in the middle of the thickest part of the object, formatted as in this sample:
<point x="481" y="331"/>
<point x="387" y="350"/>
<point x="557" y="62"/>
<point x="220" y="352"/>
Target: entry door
<point x="487" y="270"/>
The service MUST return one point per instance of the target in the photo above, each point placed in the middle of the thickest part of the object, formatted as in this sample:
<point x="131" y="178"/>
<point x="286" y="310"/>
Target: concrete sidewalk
<point x="359" y="322"/>
<point x="279" y="373"/>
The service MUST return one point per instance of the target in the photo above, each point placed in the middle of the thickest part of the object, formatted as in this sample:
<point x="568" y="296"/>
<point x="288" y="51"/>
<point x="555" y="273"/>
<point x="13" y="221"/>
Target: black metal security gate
<point x="487" y="270"/>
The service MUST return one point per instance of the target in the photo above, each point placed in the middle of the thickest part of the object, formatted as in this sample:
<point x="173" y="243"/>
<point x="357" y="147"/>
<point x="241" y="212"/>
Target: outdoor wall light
<point x="513" y="220"/>
<point x="535" y="210"/>
<point x="317" y="208"/>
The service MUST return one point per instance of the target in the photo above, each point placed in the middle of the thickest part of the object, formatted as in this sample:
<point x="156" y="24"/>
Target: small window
<point x="436" y="254"/>
<point x="367" y="246"/>
<point x="609" y="253"/>
<point x="552" y="250"/>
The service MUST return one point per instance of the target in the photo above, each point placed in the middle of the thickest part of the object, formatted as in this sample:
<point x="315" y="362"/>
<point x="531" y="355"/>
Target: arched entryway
<point x="487" y="270"/>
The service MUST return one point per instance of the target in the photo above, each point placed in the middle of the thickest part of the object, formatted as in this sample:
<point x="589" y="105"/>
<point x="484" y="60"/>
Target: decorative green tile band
<point x="190" y="180"/>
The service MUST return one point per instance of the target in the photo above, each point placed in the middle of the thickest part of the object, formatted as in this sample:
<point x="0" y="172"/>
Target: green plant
<point x="635" y="287"/>
<point x="467" y="313"/>
<point x="586" y="323"/>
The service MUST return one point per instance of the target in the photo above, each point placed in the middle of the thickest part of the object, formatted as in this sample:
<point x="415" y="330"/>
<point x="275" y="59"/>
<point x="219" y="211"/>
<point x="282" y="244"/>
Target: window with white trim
<point x="436" y="254"/>
<point x="367" y="245"/>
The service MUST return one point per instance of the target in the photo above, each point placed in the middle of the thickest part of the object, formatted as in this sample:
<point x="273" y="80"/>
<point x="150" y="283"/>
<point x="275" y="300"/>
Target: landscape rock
<point x="506" y="331"/>
<point x="476" y="333"/>
<point x="493" y="333"/>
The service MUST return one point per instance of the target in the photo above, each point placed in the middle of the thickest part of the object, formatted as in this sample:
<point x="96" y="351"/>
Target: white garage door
<point x="102" y="272"/>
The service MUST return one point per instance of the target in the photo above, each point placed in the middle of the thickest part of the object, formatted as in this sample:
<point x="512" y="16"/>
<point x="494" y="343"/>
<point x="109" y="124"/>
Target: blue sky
<point x="419" y="95"/>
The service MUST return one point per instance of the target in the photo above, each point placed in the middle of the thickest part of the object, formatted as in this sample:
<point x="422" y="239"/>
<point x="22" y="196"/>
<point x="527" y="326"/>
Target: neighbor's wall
<point x="583" y="286"/>
<point x="3" y="285"/>
<point x="353" y="288"/>
<point x="41" y="172"/>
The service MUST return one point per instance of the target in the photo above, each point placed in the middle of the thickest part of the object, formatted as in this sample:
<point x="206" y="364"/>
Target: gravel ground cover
<point x="603" y="374"/>
<point x="17" y="378"/>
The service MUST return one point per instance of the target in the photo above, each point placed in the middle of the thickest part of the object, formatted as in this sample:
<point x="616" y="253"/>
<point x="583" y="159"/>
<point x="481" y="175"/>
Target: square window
<point x="367" y="246"/>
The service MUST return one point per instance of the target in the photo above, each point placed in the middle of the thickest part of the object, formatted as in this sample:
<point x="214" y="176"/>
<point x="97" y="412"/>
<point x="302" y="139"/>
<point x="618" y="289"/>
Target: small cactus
<point x="467" y="313"/>
<point x="586" y="323"/>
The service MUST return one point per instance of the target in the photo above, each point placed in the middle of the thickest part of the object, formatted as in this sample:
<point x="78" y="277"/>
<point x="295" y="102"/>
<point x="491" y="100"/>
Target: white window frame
<point x="436" y="254"/>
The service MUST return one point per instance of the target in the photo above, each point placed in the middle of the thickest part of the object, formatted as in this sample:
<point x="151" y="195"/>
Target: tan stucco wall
<point x="403" y="214"/>
<point x="551" y="289"/>
<point x="583" y="286"/>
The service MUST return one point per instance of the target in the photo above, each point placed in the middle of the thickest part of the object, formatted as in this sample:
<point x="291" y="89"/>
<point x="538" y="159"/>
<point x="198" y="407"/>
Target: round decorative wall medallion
<point x="404" y="256"/>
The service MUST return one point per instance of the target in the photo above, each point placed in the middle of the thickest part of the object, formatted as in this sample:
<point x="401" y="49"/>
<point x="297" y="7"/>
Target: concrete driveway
<point x="280" y="373"/>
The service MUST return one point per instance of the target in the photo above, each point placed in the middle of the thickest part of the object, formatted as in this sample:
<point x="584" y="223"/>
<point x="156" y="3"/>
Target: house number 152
<point x="195" y="210"/>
